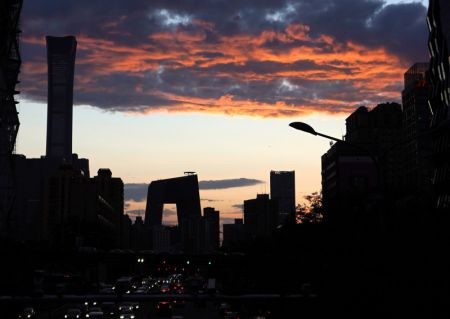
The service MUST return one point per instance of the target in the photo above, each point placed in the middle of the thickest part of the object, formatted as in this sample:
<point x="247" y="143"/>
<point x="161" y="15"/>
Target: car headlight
<point x="78" y="316"/>
<point x="132" y="317"/>
<point x="87" y="316"/>
<point x="65" y="316"/>
<point x="122" y="317"/>
<point x="137" y="307"/>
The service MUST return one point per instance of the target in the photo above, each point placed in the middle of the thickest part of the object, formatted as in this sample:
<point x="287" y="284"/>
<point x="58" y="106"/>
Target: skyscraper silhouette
<point x="282" y="189"/>
<point x="61" y="65"/>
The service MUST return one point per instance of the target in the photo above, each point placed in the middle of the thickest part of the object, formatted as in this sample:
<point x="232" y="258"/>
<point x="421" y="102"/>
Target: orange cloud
<point x="368" y="72"/>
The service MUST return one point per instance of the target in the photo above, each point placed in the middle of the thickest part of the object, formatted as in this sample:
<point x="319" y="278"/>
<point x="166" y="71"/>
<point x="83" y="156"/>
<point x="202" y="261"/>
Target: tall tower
<point x="61" y="64"/>
<point x="10" y="62"/>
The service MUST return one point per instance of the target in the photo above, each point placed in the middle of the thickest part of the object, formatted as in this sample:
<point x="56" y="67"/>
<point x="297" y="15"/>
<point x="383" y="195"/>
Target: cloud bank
<point x="137" y="192"/>
<point x="266" y="58"/>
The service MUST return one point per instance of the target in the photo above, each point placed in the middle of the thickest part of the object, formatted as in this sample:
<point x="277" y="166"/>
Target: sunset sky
<point x="163" y="87"/>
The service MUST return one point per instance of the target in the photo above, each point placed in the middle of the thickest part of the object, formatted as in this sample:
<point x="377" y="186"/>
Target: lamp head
<point x="303" y="127"/>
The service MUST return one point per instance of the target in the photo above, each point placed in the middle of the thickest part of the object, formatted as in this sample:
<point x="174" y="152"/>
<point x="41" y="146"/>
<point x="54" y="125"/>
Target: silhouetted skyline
<point x="355" y="223"/>
<point x="134" y="75"/>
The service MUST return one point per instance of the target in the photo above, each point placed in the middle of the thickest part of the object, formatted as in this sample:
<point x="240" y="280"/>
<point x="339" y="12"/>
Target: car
<point x="224" y="307"/>
<point x="73" y="313"/>
<point x="135" y="305"/>
<point x="28" y="313"/>
<point x="163" y="308"/>
<point x="231" y="315"/>
<point x="89" y="304"/>
<point x="95" y="315"/>
<point x="165" y="288"/>
<point x="109" y="309"/>
<point x="128" y="306"/>
<point x="107" y="290"/>
<point x="127" y="316"/>
<point x="179" y="303"/>
<point x="141" y="291"/>
<point x="95" y="309"/>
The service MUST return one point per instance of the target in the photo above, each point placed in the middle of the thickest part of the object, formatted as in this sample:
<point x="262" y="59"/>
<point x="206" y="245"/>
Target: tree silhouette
<point x="310" y="212"/>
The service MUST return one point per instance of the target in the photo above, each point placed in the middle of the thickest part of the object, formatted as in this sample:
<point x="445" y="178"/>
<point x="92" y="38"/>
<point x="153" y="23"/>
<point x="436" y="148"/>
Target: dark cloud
<point x="238" y="206"/>
<point x="135" y="192"/>
<point x="211" y="200"/>
<point x="167" y="212"/>
<point x="227" y="220"/>
<point x="255" y="57"/>
<point x="228" y="183"/>
<point x="138" y="191"/>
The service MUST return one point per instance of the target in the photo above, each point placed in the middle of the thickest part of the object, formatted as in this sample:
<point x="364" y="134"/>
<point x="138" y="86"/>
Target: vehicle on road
<point x="95" y="315"/>
<point x="28" y="313"/>
<point x="231" y="315"/>
<point x="128" y="306"/>
<point x="73" y="313"/>
<point x="109" y="309"/>
<point x="163" y="309"/>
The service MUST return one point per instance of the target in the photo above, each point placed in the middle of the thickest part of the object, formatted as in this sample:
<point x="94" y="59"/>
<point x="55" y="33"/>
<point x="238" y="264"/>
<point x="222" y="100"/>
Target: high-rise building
<point x="211" y="222"/>
<point x="233" y="234"/>
<point x="140" y="235"/>
<point x="349" y="177"/>
<point x="282" y="189"/>
<point x="31" y="177"/>
<point x="353" y="176"/>
<point x="378" y="131"/>
<point x="260" y="216"/>
<point x="82" y="211"/>
<point x="61" y="65"/>
<point x="416" y="145"/>
<point x="109" y="191"/>
<point x="184" y="192"/>
<point x="161" y="239"/>
<point x="10" y="63"/>
<point x="438" y="20"/>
